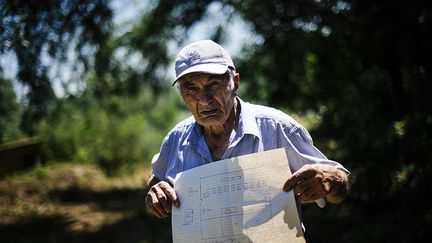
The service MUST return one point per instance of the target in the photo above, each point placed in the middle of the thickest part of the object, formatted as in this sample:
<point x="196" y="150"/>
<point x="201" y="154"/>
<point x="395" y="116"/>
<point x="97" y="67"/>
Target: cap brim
<point x="203" y="68"/>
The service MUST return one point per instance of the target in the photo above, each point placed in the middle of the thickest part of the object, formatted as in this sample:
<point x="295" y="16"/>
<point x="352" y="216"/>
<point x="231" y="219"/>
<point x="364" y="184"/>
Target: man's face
<point x="209" y="97"/>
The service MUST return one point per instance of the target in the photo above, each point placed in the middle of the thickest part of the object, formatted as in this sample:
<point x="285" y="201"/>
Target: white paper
<point x="237" y="200"/>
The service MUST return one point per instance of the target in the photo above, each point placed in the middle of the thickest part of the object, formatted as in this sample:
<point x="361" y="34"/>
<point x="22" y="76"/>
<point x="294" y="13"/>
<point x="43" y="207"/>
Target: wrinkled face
<point x="209" y="97"/>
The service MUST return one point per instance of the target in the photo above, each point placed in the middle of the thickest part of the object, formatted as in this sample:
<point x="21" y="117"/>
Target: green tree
<point x="32" y="29"/>
<point x="148" y="41"/>
<point x="365" y="68"/>
<point x="9" y="112"/>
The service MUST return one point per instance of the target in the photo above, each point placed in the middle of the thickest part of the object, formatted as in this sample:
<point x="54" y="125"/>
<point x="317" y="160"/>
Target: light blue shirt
<point x="260" y="129"/>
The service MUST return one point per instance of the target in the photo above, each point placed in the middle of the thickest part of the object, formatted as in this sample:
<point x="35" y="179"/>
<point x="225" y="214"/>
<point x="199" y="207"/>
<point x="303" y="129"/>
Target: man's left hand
<point x="314" y="181"/>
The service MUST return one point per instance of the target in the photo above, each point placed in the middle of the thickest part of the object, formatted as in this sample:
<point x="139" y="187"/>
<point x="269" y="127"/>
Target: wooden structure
<point x="20" y="154"/>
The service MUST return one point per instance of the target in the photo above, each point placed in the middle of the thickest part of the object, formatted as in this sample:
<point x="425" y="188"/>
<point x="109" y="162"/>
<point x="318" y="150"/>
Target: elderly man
<point x="224" y="126"/>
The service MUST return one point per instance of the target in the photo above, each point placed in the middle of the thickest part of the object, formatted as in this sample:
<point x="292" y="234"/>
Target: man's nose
<point x="205" y="97"/>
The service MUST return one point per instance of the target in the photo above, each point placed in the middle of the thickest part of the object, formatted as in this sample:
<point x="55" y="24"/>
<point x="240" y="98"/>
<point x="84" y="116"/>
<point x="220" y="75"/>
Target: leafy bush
<point x="10" y="112"/>
<point x="128" y="132"/>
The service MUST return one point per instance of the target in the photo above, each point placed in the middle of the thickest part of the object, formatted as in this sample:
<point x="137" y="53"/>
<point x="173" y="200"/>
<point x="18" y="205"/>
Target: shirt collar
<point x="247" y="120"/>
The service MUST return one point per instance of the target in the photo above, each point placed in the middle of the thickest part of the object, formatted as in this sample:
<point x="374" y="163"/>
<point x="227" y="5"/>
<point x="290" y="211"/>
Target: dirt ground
<point x="77" y="203"/>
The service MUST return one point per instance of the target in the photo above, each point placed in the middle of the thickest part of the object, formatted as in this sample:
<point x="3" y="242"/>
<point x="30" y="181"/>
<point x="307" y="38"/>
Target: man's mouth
<point x="208" y="112"/>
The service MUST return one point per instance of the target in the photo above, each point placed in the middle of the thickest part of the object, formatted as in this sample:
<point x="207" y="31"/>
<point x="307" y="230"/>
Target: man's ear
<point x="236" y="80"/>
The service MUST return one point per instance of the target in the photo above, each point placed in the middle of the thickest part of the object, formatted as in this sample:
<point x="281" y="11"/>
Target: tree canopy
<point x="31" y="29"/>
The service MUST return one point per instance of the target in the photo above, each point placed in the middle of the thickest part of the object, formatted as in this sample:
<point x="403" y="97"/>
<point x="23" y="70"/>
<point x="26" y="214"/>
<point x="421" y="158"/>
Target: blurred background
<point x="85" y="101"/>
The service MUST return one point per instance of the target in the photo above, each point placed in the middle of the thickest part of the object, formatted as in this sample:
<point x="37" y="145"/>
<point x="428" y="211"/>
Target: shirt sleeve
<point x="303" y="151"/>
<point x="160" y="161"/>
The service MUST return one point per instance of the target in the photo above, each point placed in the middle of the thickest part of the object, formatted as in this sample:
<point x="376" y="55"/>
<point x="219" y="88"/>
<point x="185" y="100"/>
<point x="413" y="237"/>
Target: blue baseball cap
<point x="205" y="56"/>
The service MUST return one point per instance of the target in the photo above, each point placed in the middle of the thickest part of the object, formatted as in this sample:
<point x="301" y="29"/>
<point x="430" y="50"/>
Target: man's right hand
<point x="160" y="198"/>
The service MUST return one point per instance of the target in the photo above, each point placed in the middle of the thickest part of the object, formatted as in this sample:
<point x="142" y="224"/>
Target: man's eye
<point x="191" y="90"/>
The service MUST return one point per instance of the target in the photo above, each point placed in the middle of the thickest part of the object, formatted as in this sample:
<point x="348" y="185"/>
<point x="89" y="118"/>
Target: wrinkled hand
<point x="160" y="198"/>
<point x="315" y="181"/>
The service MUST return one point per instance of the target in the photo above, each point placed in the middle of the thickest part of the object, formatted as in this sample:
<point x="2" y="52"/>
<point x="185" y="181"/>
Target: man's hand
<point x="315" y="181"/>
<point x="160" y="197"/>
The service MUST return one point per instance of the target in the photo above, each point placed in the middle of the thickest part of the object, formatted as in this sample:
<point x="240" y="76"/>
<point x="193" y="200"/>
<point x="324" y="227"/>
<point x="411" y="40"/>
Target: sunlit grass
<point x="30" y="193"/>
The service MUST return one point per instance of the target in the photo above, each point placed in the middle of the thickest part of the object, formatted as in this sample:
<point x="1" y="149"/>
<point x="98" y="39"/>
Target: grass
<point x="67" y="202"/>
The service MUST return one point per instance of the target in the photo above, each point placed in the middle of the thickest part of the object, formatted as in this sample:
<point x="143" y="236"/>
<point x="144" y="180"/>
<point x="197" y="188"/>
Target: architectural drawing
<point x="237" y="200"/>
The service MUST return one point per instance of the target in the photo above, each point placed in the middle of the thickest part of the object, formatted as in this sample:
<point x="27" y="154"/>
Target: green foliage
<point x="34" y="30"/>
<point x="10" y="112"/>
<point x="139" y="58"/>
<point x="40" y="171"/>
<point x="113" y="139"/>
<point x="365" y="71"/>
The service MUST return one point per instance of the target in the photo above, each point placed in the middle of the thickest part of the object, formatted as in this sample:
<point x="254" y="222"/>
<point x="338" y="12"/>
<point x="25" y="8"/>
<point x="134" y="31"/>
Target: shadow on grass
<point x="136" y="225"/>
<point x="120" y="200"/>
